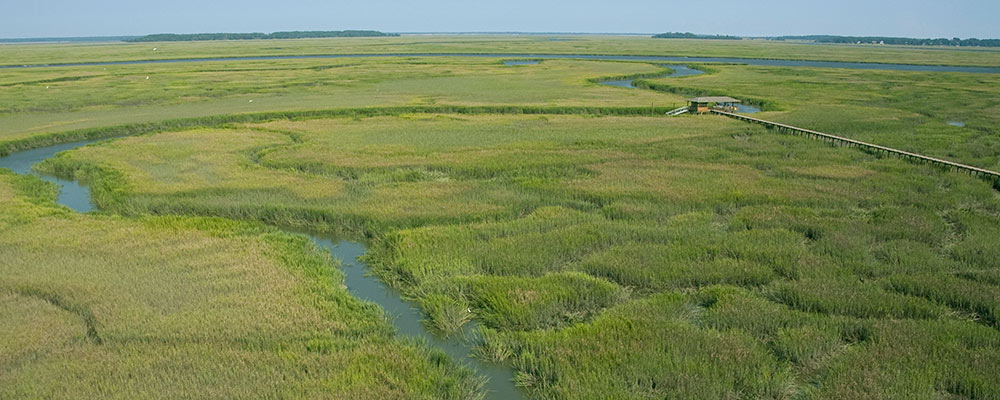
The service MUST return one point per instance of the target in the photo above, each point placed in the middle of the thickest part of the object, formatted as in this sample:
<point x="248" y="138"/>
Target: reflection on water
<point x="406" y="316"/>
<point x="745" y="61"/>
<point x="71" y="193"/>
<point x="623" y="83"/>
<point x="521" y="62"/>
<point x="679" y="71"/>
<point x="683" y="70"/>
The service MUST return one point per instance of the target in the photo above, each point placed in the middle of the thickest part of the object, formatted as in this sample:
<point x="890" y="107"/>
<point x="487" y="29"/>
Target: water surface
<point x="678" y="71"/>
<point x="406" y="317"/>
<point x="71" y="193"/>
<point x="521" y="62"/>
<point x="729" y="60"/>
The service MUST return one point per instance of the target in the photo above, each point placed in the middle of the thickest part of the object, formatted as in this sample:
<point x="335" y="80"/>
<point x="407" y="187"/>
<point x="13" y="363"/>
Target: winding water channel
<point x="406" y="316"/>
<point x="71" y="193"/>
<point x="679" y="70"/>
<point x="664" y="59"/>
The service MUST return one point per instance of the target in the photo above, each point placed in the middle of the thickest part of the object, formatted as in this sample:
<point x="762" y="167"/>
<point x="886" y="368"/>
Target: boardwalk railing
<point x="873" y="148"/>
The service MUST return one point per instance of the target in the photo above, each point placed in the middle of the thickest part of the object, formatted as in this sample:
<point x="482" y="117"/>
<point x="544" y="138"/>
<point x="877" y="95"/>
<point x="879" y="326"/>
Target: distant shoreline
<point x="82" y="39"/>
<point x="127" y="38"/>
<point x="953" y="43"/>
<point x="192" y="37"/>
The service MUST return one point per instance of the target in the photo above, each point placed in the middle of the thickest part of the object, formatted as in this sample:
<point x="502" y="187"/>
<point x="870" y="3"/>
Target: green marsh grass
<point x="20" y="54"/>
<point x="903" y="110"/>
<point x="166" y="307"/>
<point x="620" y="256"/>
<point x="607" y="251"/>
<point x="75" y="98"/>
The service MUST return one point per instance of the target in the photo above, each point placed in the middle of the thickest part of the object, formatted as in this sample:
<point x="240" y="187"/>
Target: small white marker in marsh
<point x="154" y="49"/>
<point x="147" y="78"/>
<point x="251" y="101"/>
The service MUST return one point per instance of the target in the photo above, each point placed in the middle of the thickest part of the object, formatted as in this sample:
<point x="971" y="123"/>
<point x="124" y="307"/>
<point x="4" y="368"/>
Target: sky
<point x="913" y="18"/>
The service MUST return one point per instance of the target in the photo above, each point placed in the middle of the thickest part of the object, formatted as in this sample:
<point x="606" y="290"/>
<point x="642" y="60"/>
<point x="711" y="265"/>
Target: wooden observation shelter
<point x="705" y="104"/>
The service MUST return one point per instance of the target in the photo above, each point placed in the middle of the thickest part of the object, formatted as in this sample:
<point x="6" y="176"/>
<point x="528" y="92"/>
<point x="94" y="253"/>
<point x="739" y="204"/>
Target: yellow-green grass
<point x="622" y="256"/>
<point x="904" y="110"/>
<point x="621" y="45"/>
<point x="175" y="307"/>
<point x="36" y="102"/>
<point x="419" y="169"/>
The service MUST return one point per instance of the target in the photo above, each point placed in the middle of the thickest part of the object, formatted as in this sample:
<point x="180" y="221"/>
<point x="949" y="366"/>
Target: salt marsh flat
<point x="600" y="248"/>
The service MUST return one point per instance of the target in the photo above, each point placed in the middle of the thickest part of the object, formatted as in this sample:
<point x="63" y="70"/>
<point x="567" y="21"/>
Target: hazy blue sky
<point x="920" y="18"/>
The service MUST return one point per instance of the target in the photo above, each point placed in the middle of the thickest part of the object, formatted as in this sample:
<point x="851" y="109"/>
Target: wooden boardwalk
<point x="872" y="148"/>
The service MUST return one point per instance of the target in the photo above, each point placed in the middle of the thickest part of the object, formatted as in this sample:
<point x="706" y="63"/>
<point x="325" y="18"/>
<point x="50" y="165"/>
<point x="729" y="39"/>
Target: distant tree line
<point x="689" y="35"/>
<point x="172" y="37"/>
<point x="971" y="42"/>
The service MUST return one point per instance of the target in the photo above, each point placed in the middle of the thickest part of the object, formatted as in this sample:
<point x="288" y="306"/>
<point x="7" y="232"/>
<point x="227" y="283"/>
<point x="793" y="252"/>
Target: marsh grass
<point x="120" y="95"/>
<point x="21" y="54"/>
<point x="743" y="261"/>
<point x="907" y="111"/>
<point x="41" y="140"/>
<point x="980" y="299"/>
<point x="654" y="354"/>
<point x="188" y="307"/>
<point x="551" y="301"/>
<point x="854" y="298"/>
<point x="607" y="252"/>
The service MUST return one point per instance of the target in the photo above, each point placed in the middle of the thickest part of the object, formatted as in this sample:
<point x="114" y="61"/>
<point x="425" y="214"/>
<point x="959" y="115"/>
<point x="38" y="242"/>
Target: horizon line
<point x="498" y="33"/>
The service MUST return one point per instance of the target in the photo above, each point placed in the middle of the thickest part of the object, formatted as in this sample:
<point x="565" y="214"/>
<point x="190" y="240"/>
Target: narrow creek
<point x="71" y="193"/>
<point x="664" y="59"/>
<point x="679" y="70"/>
<point x="521" y="62"/>
<point x="406" y="316"/>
